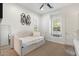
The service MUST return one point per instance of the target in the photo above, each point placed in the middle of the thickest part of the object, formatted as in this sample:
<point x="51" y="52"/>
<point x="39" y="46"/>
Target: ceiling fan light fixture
<point x="45" y="4"/>
<point x="42" y="9"/>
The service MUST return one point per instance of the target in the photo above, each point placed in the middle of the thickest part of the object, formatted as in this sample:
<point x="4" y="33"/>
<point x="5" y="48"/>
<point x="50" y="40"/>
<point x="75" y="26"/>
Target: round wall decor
<point x="28" y="22"/>
<point x="25" y="19"/>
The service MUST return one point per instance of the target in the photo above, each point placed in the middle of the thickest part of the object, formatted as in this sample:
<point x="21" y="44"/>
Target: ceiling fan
<point x="45" y="4"/>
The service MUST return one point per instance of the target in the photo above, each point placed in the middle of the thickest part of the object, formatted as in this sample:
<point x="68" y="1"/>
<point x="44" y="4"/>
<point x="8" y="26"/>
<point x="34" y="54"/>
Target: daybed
<point x="25" y="41"/>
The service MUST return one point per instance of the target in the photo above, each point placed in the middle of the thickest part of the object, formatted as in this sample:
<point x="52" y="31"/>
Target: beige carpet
<point x="48" y="49"/>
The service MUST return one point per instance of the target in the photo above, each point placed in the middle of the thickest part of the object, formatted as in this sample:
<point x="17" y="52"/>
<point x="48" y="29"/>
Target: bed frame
<point x="17" y="45"/>
<point x="24" y="50"/>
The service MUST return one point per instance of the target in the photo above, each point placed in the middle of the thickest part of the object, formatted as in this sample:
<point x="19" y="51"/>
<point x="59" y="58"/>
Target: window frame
<point x="57" y="33"/>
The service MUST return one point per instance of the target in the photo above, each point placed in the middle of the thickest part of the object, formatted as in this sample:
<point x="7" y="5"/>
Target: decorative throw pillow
<point x="36" y="33"/>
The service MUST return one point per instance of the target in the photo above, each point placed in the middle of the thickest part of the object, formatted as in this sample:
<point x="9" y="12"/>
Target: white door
<point x="4" y="31"/>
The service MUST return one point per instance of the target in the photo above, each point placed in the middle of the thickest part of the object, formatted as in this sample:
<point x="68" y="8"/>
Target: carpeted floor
<point x="48" y="49"/>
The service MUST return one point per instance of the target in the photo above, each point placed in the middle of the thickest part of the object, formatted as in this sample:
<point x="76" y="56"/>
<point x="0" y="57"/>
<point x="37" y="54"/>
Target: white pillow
<point x="36" y="33"/>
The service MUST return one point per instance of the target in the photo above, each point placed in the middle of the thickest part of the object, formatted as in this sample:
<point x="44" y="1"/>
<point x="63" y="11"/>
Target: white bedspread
<point x="26" y="41"/>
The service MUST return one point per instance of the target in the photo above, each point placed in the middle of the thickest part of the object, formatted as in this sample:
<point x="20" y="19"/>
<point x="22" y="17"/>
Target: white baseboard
<point x="59" y="42"/>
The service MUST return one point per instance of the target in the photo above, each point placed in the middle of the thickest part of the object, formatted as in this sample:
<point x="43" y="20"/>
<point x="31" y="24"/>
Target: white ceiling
<point x="35" y="7"/>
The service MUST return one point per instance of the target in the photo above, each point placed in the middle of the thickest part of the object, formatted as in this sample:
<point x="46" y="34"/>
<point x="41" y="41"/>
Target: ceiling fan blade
<point x="41" y="6"/>
<point x="49" y="5"/>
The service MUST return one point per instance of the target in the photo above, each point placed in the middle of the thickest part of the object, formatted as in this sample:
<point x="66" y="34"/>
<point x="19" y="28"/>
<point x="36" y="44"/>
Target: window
<point x="56" y="27"/>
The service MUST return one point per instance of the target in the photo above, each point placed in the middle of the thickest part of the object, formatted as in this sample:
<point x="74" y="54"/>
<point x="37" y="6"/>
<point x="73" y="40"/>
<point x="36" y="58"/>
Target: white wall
<point x="46" y="29"/>
<point x="11" y="16"/>
<point x="70" y="22"/>
<point x="69" y="15"/>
